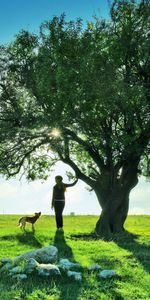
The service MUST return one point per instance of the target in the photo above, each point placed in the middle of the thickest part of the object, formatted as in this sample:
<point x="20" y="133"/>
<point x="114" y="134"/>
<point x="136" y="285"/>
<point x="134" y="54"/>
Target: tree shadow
<point x="27" y="238"/>
<point x="73" y="291"/>
<point x="85" y="236"/>
<point x="141" y="252"/>
<point x="127" y="241"/>
<point x="70" y="288"/>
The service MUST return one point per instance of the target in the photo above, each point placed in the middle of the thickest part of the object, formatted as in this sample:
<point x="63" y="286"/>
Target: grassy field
<point x="129" y="255"/>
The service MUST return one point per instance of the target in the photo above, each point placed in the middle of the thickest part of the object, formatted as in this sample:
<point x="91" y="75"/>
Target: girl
<point x="58" y="199"/>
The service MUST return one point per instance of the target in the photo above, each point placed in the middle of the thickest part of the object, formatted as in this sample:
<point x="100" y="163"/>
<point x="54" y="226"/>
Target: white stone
<point x="44" y="255"/>
<point x="94" y="267"/>
<point x="6" y="260"/>
<point x="65" y="264"/>
<point x="76" y="275"/>
<point x="30" y="266"/>
<point x="16" y="270"/>
<point x="47" y="270"/>
<point x="6" y="267"/>
<point x="107" y="273"/>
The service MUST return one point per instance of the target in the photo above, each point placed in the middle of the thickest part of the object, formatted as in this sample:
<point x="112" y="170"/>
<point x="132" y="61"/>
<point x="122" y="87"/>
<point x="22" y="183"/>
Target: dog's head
<point x="38" y="214"/>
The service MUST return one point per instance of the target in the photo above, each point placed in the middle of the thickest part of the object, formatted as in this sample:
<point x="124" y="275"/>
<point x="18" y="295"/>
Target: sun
<point x="55" y="132"/>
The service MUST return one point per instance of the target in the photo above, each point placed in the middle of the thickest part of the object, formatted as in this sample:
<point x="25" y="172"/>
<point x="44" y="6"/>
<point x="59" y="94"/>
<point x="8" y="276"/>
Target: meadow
<point x="127" y="254"/>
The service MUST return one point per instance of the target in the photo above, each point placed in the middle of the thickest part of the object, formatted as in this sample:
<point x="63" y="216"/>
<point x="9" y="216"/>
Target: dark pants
<point x="59" y="207"/>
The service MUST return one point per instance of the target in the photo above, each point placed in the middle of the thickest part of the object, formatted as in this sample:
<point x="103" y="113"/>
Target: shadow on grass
<point x="127" y="241"/>
<point x="91" y="283"/>
<point x="141" y="252"/>
<point x="70" y="289"/>
<point x="27" y="238"/>
<point x="63" y="288"/>
<point x="85" y="237"/>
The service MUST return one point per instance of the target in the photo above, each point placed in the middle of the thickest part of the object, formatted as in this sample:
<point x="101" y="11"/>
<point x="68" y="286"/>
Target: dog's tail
<point x="19" y="223"/>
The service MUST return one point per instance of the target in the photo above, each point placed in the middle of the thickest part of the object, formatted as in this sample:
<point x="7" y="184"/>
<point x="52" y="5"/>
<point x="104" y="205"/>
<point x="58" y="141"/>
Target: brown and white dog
<point x="32" y="220"/>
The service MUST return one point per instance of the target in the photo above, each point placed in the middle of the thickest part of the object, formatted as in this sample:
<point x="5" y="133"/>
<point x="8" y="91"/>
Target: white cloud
<point x="140" y="198"/>
<point x="138" y="211"/>
<point x="7" y="190"/>
<point x="23" y="198"/>
<point x="141" y="191"/>
<point x="74" y="194"/>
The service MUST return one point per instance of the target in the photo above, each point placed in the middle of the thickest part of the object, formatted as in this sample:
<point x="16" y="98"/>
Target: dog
<point x="22" y="222"/>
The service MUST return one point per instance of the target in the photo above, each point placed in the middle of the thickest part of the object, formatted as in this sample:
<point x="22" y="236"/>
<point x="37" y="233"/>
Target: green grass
<point x="129" y="255"/>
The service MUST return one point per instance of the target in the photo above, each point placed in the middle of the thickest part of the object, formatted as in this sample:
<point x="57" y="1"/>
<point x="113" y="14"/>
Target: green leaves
<point x="90" y="80"/>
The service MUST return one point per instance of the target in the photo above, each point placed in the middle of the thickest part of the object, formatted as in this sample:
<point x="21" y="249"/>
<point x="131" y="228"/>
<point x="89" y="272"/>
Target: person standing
<point x="58" y="199"/>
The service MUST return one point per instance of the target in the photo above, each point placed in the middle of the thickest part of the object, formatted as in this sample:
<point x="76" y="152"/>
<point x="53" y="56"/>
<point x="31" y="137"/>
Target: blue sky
<point x="29" y="14"/>
<point x="21" y="197"/>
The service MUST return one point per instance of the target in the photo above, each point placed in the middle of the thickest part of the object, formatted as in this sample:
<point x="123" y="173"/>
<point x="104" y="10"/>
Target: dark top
<point x="59" y="190"/>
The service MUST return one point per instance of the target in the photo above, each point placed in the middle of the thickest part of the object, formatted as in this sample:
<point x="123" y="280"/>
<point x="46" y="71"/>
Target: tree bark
<point x="114" y="201"/>
<point x="113" y="215"/>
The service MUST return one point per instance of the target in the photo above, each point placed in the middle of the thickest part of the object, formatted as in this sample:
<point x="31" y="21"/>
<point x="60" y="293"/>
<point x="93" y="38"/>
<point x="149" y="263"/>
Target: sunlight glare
<point x="55" y="132"/>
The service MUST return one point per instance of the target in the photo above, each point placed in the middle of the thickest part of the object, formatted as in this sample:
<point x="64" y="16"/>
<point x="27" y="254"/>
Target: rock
<point x="94" y="267"/>
<point x="107" y="274"/>
<point x="47" y="270"/>
<point x="65" y="264"/>
<point x="43" y="255"/>
<point x="15" y="270"/>
<point x="30" y="266"/>
<point x="20" y="276"/>
<point x="39" y="261"/>
<point x="76" y="275"/>
<point x="6" y="260"/>
<point x="6" y="267"/>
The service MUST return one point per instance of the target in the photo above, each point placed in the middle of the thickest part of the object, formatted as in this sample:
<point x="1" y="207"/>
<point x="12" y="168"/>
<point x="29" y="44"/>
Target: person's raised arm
<point x="71" y="184"/>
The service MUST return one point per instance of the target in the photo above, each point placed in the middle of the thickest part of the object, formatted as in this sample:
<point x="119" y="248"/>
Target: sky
<point x="21" y="197"/>
<point x="29" y="14"/>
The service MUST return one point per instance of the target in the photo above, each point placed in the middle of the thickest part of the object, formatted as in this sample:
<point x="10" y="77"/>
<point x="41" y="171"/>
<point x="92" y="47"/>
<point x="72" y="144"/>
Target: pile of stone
<point x="44" y="262"/>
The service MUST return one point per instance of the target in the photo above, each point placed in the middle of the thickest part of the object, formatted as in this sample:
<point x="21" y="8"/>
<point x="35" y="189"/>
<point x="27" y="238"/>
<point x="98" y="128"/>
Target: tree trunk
<point x="113" y="215"/>
<point x="114" y="202"/>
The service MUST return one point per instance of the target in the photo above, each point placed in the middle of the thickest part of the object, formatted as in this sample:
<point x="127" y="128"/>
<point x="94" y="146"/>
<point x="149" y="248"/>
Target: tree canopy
<point x="80" y="95"/>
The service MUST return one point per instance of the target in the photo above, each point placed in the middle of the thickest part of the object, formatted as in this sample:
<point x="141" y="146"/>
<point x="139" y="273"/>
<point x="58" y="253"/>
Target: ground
<point x="128" y="255"/>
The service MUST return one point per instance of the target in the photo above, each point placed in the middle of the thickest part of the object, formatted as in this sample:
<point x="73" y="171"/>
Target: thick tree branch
<point x="93" y="153"/>
<point x="76" y="169"/>
<point x="78" y="172"/>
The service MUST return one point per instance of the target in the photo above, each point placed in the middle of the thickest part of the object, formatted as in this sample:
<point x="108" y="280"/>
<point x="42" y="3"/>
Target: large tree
<point x="80" y="95"/>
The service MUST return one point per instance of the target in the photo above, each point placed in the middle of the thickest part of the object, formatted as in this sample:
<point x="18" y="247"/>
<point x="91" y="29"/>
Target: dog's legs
<point x="21" y="225"/>
<point x="33" y="229"/>
<point x="24" y="225"/>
